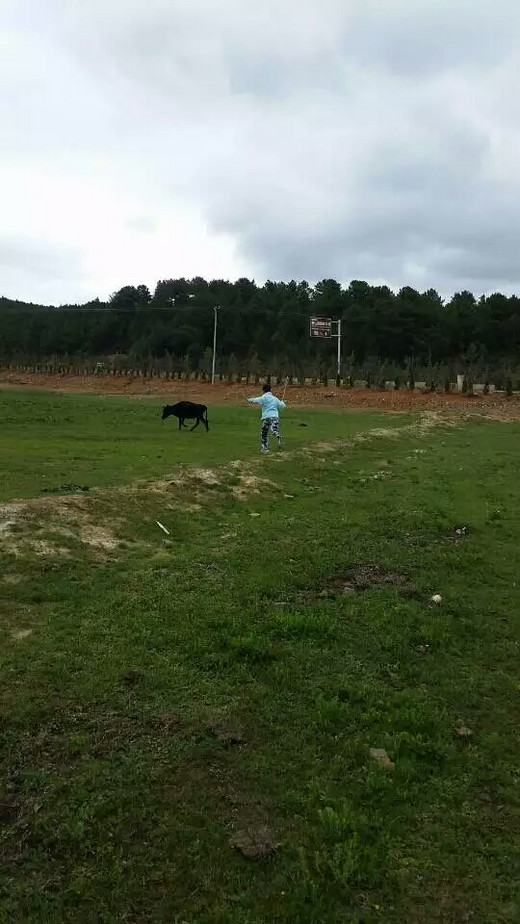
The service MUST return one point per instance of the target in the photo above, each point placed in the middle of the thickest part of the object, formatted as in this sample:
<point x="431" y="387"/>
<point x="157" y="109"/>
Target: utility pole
<point x="215" y="310"/>
<point x="339" y="352"/>
<point x="215" y="317"/>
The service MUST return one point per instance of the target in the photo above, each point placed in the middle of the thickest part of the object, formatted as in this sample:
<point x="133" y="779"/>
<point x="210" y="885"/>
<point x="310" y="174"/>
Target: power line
<point x="62" y="309"/>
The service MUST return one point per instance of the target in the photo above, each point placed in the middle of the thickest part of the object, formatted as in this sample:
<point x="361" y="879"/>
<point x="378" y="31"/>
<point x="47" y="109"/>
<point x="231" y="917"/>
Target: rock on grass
<point x="382" y="758"/>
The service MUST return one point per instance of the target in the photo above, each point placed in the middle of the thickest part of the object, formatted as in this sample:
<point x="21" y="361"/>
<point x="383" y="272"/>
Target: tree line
<point x="268" y="326"/>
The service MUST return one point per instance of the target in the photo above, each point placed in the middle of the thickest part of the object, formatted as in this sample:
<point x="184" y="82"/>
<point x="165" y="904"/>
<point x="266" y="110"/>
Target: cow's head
<point x="166" y="411"/>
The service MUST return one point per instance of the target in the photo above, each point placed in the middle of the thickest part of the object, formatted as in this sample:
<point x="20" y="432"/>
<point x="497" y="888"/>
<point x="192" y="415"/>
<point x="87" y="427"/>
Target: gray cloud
<point x="350" y="138"/>
<point x="54" y="271"/>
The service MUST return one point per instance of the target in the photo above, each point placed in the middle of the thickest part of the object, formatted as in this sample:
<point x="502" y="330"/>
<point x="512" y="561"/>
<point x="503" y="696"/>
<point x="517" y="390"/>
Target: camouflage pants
<point x="272" y="424"/>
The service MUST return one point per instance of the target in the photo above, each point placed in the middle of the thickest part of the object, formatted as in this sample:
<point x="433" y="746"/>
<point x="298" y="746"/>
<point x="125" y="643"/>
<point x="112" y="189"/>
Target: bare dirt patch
<point x="226" y="731"/>
<point x="237" y="479"/>
<point x="362" y="578"/>
<point x="319" y="396"/>
<point x="20" y="634"/>
<point x="255" y="844"/>
<point x="46" y="525"/>
<point x="41" y="526"/>
<point x="97" y="536"/>
<point x="8" y="808"/>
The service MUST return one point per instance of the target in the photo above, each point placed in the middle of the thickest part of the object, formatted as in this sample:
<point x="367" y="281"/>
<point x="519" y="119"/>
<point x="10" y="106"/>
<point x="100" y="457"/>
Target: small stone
<point x="462" y="731"/>
<point x="254" y="514"/>
<point x="6" y="525"/>
<point x="382" y="758"/>
<point x="347" y="590"/>
<point x="20" y="634"/>
<point x="436" y="599"/>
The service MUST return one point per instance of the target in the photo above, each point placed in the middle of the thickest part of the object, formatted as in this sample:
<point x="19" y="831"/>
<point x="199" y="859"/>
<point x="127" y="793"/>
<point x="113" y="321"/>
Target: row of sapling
<point x="371" y="376"/>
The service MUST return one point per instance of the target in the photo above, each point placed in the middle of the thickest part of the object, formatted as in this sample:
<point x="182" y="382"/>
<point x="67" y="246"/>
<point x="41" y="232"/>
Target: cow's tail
<point x="205" y="417"/>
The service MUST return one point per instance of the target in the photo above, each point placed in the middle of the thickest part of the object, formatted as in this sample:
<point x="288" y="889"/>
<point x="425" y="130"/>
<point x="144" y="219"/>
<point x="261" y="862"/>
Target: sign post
<point x="214" y="357"/>
<point x="323" y="328"/>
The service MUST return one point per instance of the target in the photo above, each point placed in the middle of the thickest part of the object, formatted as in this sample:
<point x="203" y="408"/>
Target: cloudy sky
<point x="148" y="139"/>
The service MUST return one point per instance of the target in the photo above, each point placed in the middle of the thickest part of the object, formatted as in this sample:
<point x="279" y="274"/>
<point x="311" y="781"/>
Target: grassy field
<point x="54" y="439"/>
<point x="187" y="720"/>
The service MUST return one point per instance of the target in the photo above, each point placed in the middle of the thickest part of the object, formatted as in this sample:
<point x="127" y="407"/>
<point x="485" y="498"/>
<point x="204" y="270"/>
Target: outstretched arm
<point x="255" y="400"/>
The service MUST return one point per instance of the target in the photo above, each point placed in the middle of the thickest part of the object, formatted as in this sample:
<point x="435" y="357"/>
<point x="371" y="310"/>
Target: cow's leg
<point x="197" y="422"/>
<point x="205" y="422"/>
<point x="180" y="422"/>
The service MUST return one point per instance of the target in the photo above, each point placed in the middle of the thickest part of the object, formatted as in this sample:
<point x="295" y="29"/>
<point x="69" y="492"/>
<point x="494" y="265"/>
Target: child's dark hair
<point x="266" y="387"/>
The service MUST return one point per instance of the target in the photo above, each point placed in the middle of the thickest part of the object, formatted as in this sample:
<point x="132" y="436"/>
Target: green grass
<point x="123" y="801"/>
<point x="54" y="439"/>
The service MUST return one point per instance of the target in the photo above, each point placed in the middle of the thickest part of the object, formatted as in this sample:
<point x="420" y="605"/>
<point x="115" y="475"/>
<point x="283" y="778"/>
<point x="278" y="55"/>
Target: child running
<point x="270" y="418"/>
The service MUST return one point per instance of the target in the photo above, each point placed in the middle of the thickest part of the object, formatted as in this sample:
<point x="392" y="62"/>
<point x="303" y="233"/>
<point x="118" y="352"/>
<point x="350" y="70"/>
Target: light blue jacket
<point x="270" y="404"/>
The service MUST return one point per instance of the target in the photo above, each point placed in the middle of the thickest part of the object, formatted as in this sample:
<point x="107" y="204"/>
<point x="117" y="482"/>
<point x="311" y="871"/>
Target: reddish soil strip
<point x="319" y="396"/>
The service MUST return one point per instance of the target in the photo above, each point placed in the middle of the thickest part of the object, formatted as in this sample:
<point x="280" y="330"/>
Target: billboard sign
<point x="321" y="327"/>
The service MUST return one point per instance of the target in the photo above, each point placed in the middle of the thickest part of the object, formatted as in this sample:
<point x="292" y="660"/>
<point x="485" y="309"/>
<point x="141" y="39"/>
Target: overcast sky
<point x="150" y="139"/>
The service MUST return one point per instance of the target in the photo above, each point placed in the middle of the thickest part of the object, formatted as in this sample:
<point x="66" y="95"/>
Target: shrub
<point x="509" y="388"/>
<point x="397" y="383"/>
<point x="485" y="390"/>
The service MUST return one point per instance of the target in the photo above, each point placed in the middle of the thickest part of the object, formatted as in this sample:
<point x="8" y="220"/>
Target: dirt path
<point x="319" y="396"/>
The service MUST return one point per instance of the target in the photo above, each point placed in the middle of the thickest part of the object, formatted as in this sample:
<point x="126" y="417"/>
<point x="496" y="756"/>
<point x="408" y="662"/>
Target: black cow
<point x="186" y="410"/>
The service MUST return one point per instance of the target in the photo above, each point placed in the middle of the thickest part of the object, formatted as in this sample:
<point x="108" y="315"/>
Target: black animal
<point x="186" y="410"/>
